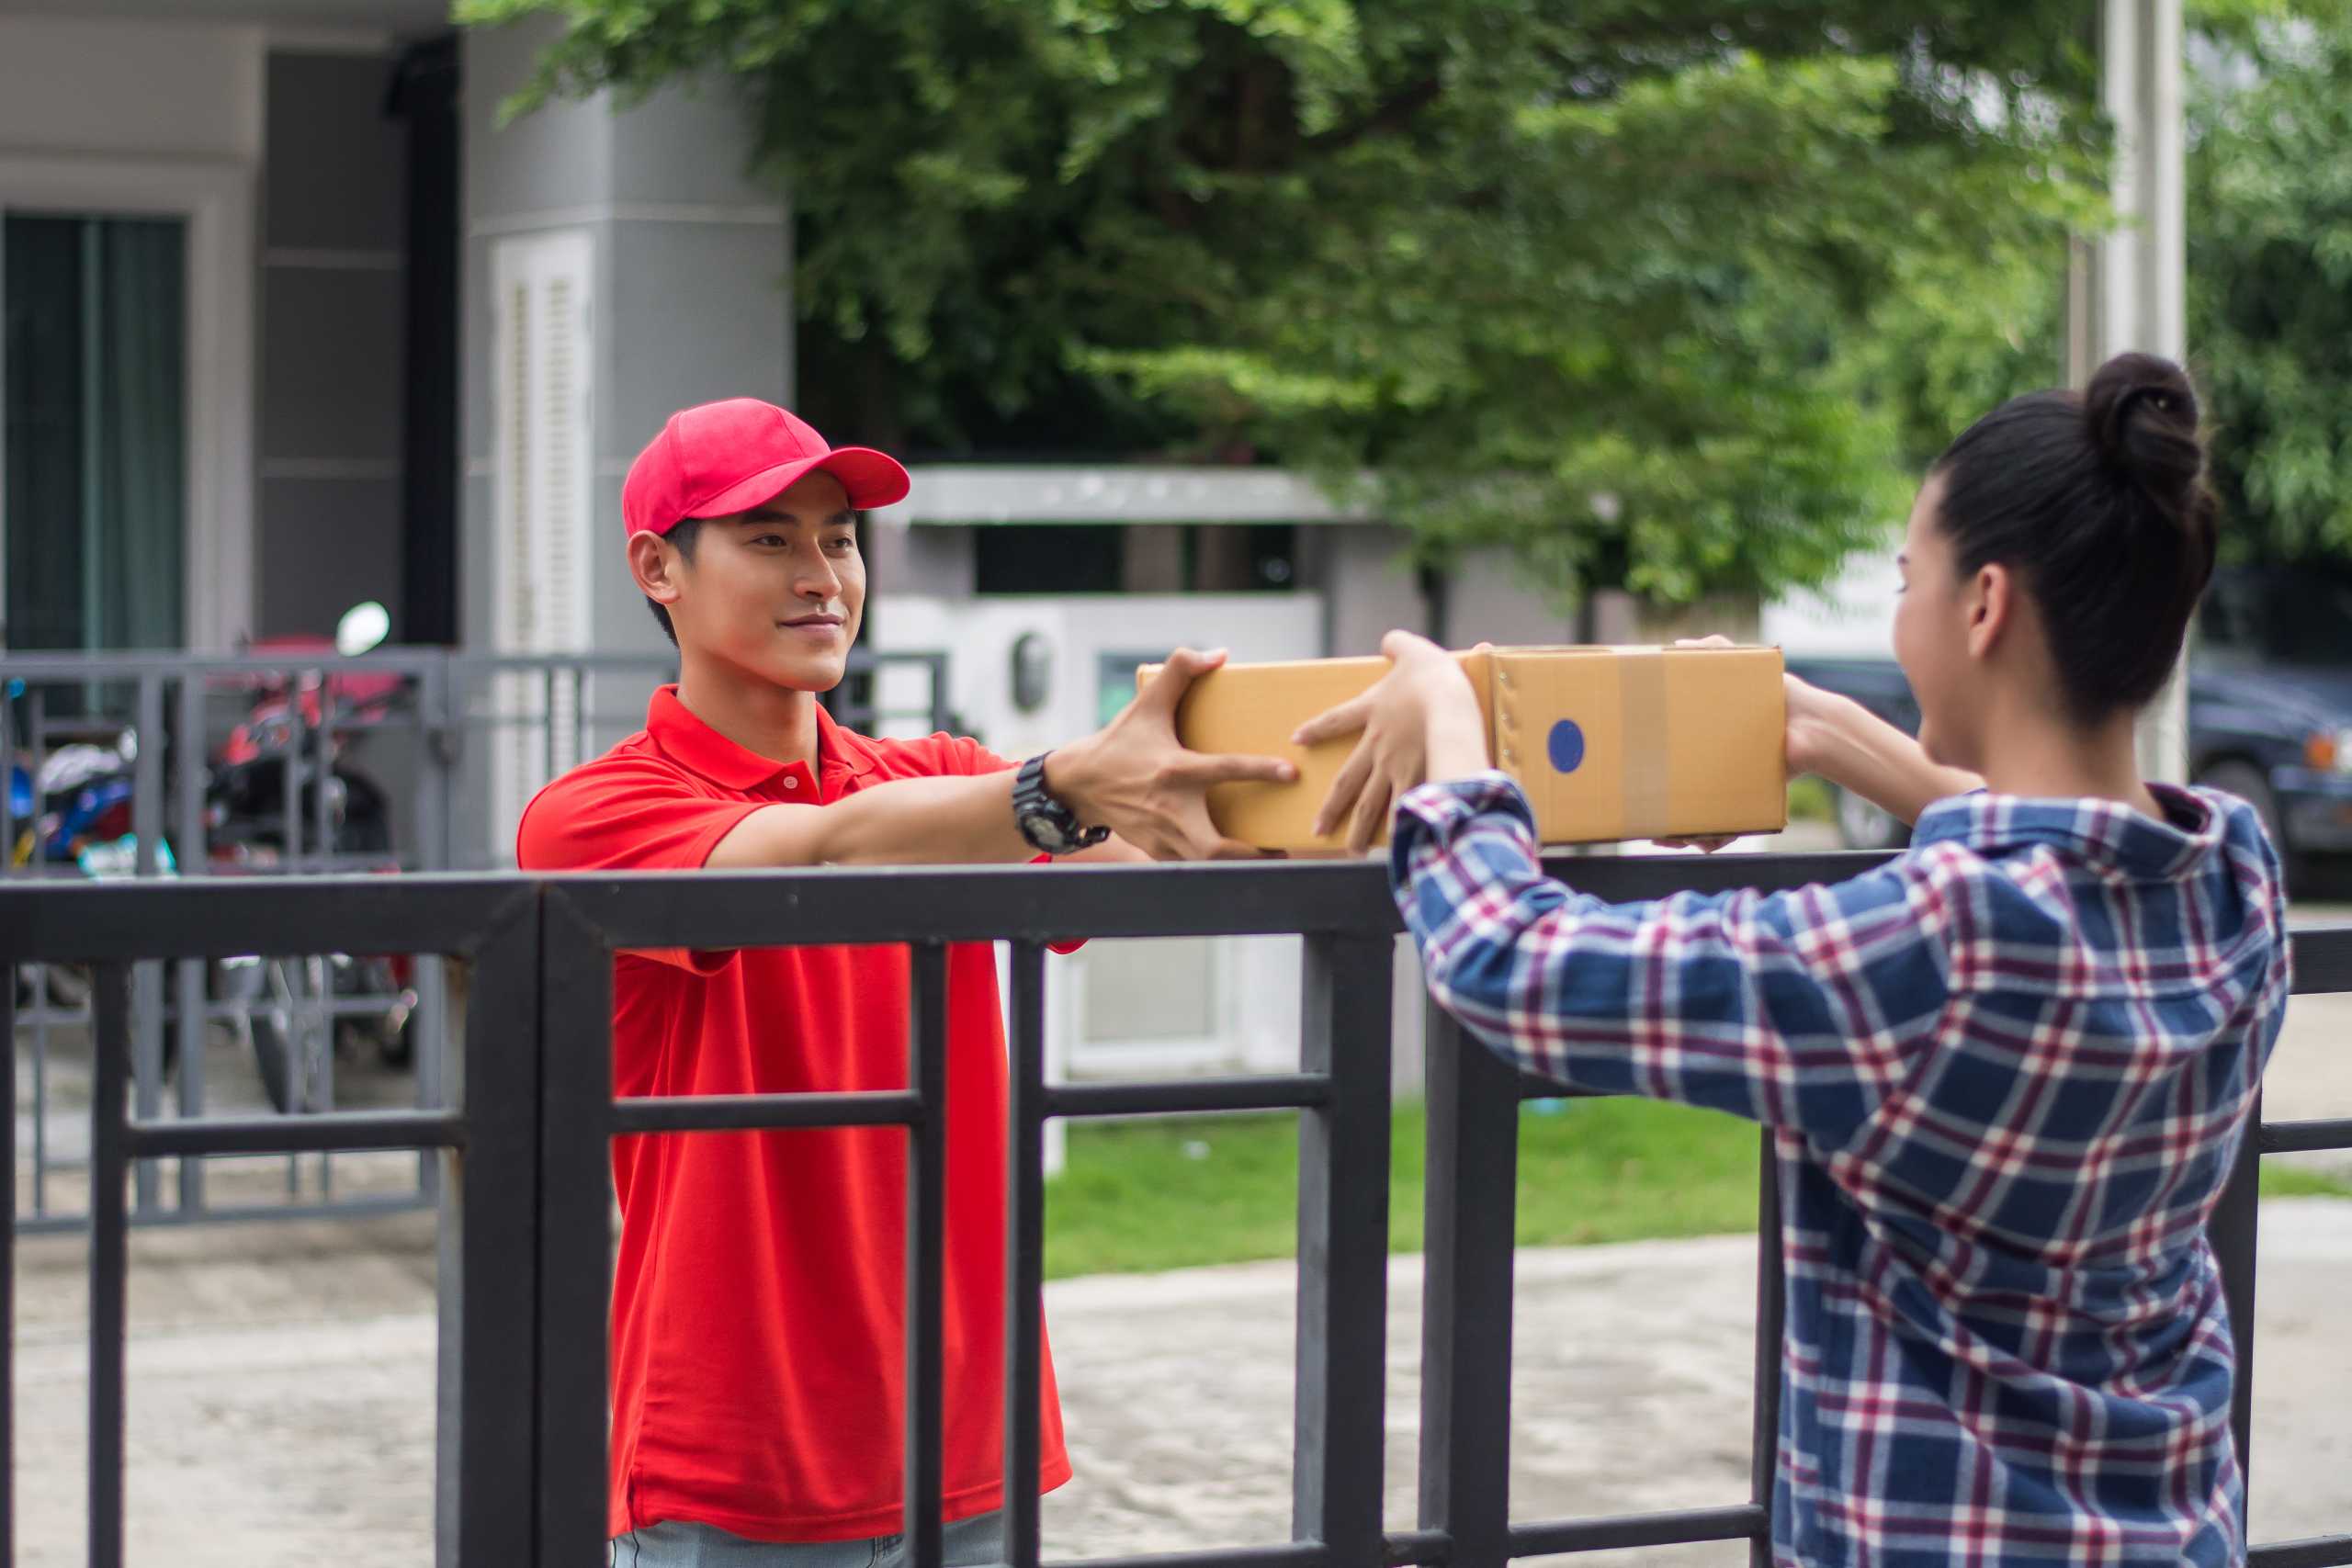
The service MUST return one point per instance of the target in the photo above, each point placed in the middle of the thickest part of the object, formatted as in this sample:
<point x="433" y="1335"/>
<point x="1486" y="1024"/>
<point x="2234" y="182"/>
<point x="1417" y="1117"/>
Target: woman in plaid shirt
<point x="2008" y="1072"/>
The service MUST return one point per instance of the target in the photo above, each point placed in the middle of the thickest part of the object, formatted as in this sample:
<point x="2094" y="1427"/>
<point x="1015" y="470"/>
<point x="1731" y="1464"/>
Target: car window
<point x="2310" y="621"/>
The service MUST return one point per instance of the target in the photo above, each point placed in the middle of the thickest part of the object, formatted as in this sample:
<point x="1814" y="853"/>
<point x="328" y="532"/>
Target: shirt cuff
<point x="1437" y="813"/>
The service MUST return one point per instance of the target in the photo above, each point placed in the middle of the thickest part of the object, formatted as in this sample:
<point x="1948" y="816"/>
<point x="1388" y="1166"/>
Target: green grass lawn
<point x="1138" y="1196"/>
<point x="2280" y="1180"/>
<point x="1146" y="1195"/>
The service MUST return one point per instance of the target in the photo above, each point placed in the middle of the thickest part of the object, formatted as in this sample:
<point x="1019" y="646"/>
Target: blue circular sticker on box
<point x="1567" y="746"/>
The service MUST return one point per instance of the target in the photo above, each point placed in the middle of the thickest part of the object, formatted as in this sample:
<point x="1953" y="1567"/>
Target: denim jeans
<point x="677" y="1545"/>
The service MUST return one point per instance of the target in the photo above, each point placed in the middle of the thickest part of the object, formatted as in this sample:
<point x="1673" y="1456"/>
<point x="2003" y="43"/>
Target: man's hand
<point x="1419" y="720"/>
<point x="1134" y="777"/>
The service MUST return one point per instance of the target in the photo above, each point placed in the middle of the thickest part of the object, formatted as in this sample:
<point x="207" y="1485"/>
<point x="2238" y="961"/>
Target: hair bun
<point x="2142" y="412"/>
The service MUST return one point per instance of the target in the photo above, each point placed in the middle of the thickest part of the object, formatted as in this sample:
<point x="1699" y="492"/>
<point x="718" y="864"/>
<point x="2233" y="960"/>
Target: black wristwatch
<point x="1050" y="827"/>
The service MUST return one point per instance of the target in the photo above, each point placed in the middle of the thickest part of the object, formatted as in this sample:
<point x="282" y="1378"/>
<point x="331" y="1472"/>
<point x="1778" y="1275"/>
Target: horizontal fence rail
<point x="526" y="1281"/>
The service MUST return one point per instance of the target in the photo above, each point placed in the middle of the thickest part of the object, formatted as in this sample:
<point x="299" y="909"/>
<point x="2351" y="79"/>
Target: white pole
<point x="2139" y="282"/>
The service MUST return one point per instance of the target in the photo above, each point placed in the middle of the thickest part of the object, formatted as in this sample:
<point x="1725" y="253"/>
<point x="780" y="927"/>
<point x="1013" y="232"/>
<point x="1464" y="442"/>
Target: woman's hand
<point x="1418" y="721"/>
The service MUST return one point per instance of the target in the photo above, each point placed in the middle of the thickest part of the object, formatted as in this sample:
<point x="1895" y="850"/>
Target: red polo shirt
<point x="759" y="1304"/>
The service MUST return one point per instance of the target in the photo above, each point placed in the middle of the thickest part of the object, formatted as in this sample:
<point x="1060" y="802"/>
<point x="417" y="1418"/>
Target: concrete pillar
<point x="690" y="285"/>
<point x="2128" y="290"/>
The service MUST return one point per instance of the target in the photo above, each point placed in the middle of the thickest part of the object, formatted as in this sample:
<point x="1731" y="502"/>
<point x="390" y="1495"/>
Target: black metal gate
<point x="526" y="1244"/>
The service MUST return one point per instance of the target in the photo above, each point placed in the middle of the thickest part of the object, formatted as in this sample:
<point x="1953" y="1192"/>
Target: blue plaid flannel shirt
<point x="2007" y="1074"/>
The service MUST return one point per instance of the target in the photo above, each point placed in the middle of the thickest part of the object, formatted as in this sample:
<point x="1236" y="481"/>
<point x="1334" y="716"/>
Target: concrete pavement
<point x="282" y="1409"/>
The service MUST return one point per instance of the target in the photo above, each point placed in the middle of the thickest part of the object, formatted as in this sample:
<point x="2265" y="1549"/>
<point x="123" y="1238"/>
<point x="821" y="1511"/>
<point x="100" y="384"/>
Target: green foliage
<point x="2270" y="277"/>
<point x="1661" y="294"/>
<point x="1810" y="800"/>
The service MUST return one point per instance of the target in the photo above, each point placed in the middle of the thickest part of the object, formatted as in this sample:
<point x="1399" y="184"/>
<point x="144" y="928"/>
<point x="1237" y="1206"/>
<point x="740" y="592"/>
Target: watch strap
<point x="1050" y="827"/>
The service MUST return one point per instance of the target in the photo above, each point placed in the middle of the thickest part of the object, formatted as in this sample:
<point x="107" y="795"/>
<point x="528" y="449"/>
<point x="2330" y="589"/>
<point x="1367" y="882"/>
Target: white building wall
<point x="143" y="87"/>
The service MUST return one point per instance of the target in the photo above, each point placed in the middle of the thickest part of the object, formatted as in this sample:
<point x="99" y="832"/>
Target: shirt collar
<point x="841" y="753"/>
<point x="2103" y="833"/>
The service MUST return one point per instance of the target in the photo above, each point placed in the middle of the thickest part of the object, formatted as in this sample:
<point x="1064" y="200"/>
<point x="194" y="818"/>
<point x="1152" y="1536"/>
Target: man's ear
<point x="1991" y="604"/>
<point x="656" y="564"/>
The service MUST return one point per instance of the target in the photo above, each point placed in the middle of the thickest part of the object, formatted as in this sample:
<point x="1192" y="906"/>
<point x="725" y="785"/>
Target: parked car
<point x="2269" y="708"/>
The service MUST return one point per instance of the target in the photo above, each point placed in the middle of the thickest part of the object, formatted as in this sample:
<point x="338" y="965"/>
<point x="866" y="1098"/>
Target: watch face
<point x="1042" y="830"/>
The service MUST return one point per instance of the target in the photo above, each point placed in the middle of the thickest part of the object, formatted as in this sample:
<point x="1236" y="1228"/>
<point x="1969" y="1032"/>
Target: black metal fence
<point x="527" y="1246"/>
<point x="443" y="721"/>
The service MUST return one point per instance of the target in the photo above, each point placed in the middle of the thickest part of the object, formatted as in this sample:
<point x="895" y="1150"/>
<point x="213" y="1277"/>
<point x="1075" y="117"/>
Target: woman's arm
<point x="1802" y="1010"/>
<point x="1844" y="743"/>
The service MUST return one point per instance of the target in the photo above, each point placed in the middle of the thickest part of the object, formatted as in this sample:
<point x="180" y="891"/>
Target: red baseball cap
<point x="725" y="457"/>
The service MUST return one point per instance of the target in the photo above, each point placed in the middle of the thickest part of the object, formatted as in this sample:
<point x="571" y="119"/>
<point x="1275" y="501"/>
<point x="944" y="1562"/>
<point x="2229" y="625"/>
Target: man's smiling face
<point x="778" y="590"/>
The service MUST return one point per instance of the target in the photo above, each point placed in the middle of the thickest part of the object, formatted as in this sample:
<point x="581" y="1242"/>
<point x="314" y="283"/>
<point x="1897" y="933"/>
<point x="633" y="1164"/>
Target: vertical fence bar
<point x="322" y="781"/>
<point x="1772" y="1302"/>
<point x="37" y="736"/>
<point x="547" y="718"/>
<point x="2231" y="1234"/>
<point x="431" y="824"/>
<point x="579" y="716"/>
<point x="328" y="1023"/>
<point x="1341" y="1398"/>
<point x="429" y="1030"/>
<point x="575" y="1241"/>
<point x="147" y="978"/>
<point x="440" y="765"/>
<point x="146" y="1060"/>
<point x="195" y="857"/>
<point x="147" y="772"/>
<point x="8" y="1267"/>
<point x="942" y="695"/>
<point x="293" y="976"/>
<point x="109" y="1260"/>
<point x="296" y="740"/>
<point x="486" y="1461"/>
<point x="7" y="794"/>
<point x="43" y="1000"/>
<point x="1025" y="1262"/>
<point x="36" y="733"/>
<point x="1471" y="1199"/>
<point x="926" y="1252"/>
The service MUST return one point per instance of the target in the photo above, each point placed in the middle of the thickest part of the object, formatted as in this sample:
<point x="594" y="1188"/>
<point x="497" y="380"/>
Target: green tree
<point x="2270" y="279"/>
<point x="1662" y="295"/>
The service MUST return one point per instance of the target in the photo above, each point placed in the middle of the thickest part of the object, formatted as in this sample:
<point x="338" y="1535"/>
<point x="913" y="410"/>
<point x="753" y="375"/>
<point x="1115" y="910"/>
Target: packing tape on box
<point x="1643" y="776"/>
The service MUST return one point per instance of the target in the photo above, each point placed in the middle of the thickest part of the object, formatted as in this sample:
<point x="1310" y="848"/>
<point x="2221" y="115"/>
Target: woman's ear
<point x="654" y="563"/>
<point x="1990" y="602"/>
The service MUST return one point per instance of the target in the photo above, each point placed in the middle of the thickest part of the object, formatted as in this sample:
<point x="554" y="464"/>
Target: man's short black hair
<point x="681" y="534"/>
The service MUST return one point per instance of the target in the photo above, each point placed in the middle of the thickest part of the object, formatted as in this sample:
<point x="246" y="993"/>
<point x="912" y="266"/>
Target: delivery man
<point x="758" y="1306"/>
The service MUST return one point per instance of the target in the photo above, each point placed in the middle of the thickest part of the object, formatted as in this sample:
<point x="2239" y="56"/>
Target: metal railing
<point x="455" y="720"/>
<point x="567" y="706"/>
<point x="527" y="1245"/>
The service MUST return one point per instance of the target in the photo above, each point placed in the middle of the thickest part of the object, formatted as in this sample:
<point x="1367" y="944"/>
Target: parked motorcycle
<point x="75" y="804"/>
<point x="74" y="807"/>
<point x="245" y="823"/>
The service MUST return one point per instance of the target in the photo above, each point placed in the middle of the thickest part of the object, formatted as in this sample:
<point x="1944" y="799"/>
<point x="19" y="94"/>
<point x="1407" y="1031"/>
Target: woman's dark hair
<point x="2099" y="500"/>
<point x="682" y="534"/>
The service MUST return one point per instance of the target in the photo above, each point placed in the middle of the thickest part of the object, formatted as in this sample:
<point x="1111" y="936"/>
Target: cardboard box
<point x="1609" y="743"/>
